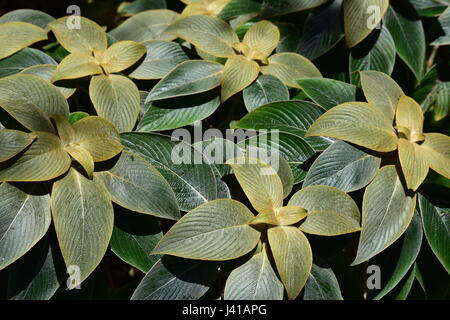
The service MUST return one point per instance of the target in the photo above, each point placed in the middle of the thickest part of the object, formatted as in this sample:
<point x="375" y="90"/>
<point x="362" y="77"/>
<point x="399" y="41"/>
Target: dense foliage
<point x="226" y="149"/>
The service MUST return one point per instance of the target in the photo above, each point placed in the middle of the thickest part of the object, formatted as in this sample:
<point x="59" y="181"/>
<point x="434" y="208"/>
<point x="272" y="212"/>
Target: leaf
<point x="410" y="116"/>
<point x="76" y="65"/>
<point x="205" y="233"/>
<point x="381" y="91"/>
<point x="408" y="34"/>
<point x="192" y="181"/>
<point x="25" y="219"/>
<point x="264" y="90"/>
<point x="209" y="34"/>
<point x="414" y="163"/>
<point x="281" y="216"/>
<point x="174" y="278"/>
<point x="238" y="73"/>
<point x="141" y="5"/>
<point x="44" y="160"/>
<point x="83" y="157"/>
<point x="36" y="17"/>
<point x="443" y="24"/>
<point x="23" y="59"/>
<point x="254" y="280"/>
<point x="146" y="25"/>
<point x="282" y="7"/>
<point x="116" y="98"/>
<point x="46" y="72"/>
<point x="330" y="211"/>
<point x="318" y="37"/>
<point x="82" y="38"/>
<point x="35" y="275"/>
<point x="189" y="77"/>
<point x="343" y="166"/>
<point x="289" y="67"/>
<point x="260" y="182"/>
<point x="293" y="257"/>
<point x="359" y="123"/>
<point x="122" y="55"/>
<point x="436" y="147"/>
<point x="398" y="259"/>
<point x="361" y="18"/>
<point x="436" y="227"/>
<point x="12" y="142"/>
<point x="376" y="52"/>
<point x="98" y="136"/>
<point x="134" y="237"/>
<point x="18" y="35"/>
<point x="322" y="285"/>
<point x="161" y="58"/>
<point x="136" y="185"/>
<point x="83" y="217"/>
<point x="262" y="37"/>
<point x="328" y="92"/>
<point x="178" y="112"/>
<point x="428" y="8"/>
<point x="386" y="214"/>
<point x="32" y="101"/>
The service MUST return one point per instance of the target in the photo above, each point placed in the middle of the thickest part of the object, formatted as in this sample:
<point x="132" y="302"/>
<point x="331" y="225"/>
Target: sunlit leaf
<point x="76" y="65"/>
<point x="437" y="150"/>
<point x="211" y="35"/>
<point x="283" y="216"/>
<point x="410" y="116"/>
<point x="205" y="233"/>
<point x="82" y="38"/>
<point x="263" y="37"/>
<point x="330" y="211"/>
<point x="44" y="160"/>
<point x="238" y="73"/>
<point x="98" y="136"/>
<point x="24" y="220"/>
<point x="122" y="55"/>
<point x="386" y="214"/>
<point x="254" y="280"/>
<point x="36" y="17"/>
<point x="12" y="142"/>
<point x="136" y="185"/>
<point x="15" y="36"/>
<point x="289" y="67"/>
<point x="293" y="257"/>
<point x="32" y="101"/>
<point x="83" y="217"/>
<point x="414" y="163"/>
<point x="83" y="157"/>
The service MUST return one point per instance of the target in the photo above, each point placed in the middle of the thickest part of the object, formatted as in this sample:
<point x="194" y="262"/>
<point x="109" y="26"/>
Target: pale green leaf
<point x="36" y="17"/>
<point x="122" y="55"/>
<point x="322" y="284"/>
<point x="23" y="59"/>
<point x="262" y="37"/>
<point x="12" y="142"/>
<point x="206" y="233"/>
<point x="15" y="36"/>
<point x="264" y="90"/>
<point x="238" y="74"/>
<point x="414" y="163"/>
<point x="83" y="217"/>
<point x="437" y="150"/>
<point x="76" y="65"/>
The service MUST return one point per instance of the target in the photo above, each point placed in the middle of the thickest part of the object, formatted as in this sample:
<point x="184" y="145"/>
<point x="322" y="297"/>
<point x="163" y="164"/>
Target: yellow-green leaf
<point x="437" y="150"/>
<point x="31" y="101"/>
<point x="238" y="74"/>
<point x="283" y="216"/>
<point x="44" y="160"/>
<point x="98" y="136"/>
<point x="410" y="116"/>
<point x="289" y="67"/>
<point x="122" y="55"/>
<point x="211" y="35"/>
<point x="15" y="36"/>
<point x="381" y="91"/>
<point x="330" y="211"/>
<point x="12" y="142"/>
<point x="207" y="7"/>
<point x="262" y="37"/>
<point x="414" y="163"/>
<point x="82" y="38"/>
<point x="260" y="182"/>
<point x="361" y="18"/>
<point x="359" y="123"/>
<point x="83" y="157"/>
<point x="117" y="99"/>
<point x="293" y="257"/>
<point x="83" y="217"/>
<point x="64" y="129"/>
<point x="76" y="65"/>
<point x="216" y="230"/>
